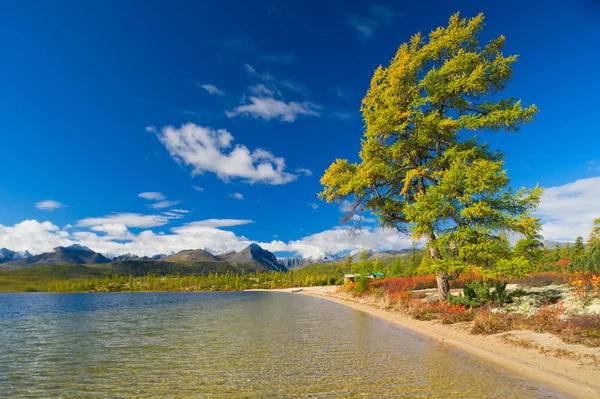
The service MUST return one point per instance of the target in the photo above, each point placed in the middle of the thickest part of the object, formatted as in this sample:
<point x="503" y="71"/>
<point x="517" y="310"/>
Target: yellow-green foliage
<point x="419" y="169"/>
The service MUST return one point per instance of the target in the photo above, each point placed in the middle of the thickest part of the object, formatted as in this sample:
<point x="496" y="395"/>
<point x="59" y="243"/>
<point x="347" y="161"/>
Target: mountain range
<point x="254" y="254"/>
<point x="80" y="255"/>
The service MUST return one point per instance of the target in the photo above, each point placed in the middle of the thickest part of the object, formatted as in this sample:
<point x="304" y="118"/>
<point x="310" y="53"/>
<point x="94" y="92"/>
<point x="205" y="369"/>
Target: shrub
<point x="477" y="294"/>
<point x="487" y="322"/>
<point x="542" y="279"/>
<point x="585" y="286"/>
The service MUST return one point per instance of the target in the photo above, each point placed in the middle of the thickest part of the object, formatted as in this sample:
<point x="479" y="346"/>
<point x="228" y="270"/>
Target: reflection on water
<point x="227" y="345"/>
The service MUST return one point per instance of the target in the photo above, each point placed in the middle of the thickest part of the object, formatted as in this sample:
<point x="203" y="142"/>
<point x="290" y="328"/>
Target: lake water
<point x="228" y="345"/>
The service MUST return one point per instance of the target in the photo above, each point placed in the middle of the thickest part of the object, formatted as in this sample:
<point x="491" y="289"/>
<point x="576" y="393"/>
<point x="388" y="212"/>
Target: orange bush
<point x="585" y="286"/>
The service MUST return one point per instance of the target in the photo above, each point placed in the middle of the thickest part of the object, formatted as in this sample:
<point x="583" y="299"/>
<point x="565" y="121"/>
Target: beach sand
<point x="577" y="377"/>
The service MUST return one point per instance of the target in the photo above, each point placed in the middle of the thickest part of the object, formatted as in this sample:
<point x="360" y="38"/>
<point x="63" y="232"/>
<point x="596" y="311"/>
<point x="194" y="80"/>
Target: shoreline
<point x="563" y="374"/>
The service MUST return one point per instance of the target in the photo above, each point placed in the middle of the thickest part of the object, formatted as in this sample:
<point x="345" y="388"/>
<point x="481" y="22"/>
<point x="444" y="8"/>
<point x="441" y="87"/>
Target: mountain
<point x="124" y="257"/>
<point x="297" y="262"/>
<point x="75" y="254"/>
<point x="192" y="255"/>
<point x="254" y="253"/>
<point x="6" y="255"/>
<point x="391" y="254"/>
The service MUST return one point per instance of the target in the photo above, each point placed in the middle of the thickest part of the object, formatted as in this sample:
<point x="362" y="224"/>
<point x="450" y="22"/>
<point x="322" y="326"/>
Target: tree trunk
<point x="443" y="286"/>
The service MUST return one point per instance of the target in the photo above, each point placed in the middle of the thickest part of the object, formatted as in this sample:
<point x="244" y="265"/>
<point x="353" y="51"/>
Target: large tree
<point x="422" y="169"/>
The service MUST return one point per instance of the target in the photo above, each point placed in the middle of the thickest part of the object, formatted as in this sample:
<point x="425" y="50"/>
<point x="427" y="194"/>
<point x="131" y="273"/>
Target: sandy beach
<point x="576" y="376"/>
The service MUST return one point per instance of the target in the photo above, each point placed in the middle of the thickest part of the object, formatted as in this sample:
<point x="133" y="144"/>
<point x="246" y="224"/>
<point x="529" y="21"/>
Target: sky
<point x="152" y="127"/>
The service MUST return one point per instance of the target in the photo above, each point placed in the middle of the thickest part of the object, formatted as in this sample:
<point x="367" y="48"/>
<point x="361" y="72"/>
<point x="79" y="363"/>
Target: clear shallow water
<point x="228" y="345"/>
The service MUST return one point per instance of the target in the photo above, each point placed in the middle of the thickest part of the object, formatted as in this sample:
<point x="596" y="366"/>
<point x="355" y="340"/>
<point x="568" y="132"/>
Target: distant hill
<point x="254" y="253"/>
<point x="75" y="254"/>
<point x="192" y="255"/>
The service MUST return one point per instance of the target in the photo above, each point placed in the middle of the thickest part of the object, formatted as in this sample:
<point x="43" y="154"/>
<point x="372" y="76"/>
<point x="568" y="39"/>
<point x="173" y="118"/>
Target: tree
<point x="530" y="248"/>
<point x="578" y="249"/>
<point x="594" y="238"/>
<point x="420" y="169"/>
<point x="365" y="265"/>
<point x="377" y="266"/>
<point x="348" y="264"/>
<point x="397" y="269"/>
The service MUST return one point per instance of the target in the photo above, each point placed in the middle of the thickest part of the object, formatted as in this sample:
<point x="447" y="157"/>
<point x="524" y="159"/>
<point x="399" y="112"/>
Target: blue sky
<point x="273" y="90"/>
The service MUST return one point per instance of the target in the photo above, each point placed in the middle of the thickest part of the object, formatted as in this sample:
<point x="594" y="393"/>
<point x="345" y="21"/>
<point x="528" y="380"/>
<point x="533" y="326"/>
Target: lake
<point x="228" y="345"/>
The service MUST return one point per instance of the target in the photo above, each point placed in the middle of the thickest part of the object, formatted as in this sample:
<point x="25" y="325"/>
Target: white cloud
<point x="304" y="171"/>
<point x="569" y="210"/>
<point x="212" y="89"/>
<point x="268" y="108"/>
<point x="126" y="219"/>
<point x="33" y="236"/>
<point x="151" y="129"/>
<point x="340" y="239"/>
<point x="49" y="205"/>
<point x="207" y="150"/>
<point x="116" y="230"/>
<point x="260" y="89"/>
<point x="215" y="223"/>
<point x="198" y="188"/>
<point x="152" y="196"/>
<point x="313" y="205"/>
<point x="163" y="204"/>
<point x="116" y="239"/>
<point x="237" y="196"/>
<point x="594" y="164"/>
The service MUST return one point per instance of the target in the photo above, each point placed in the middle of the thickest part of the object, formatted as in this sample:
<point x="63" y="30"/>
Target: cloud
<point x="115" y="239"/>
<point x="342" y="115"/>
<point x="208" y="150"/>
<point x="364" y="26"/>
<point x="197" y="188"/>
<point x="163" y="204"/>
<point x="212" y="89"/>
<point x="313" y="205"/>
<point x="126" y="219"/>
<point x="341" y="239"/>
<point x="304" y="171"/>
<point x="378" y="16"/>
<point x="152" y="196"/>
<point x="49" y="205"/>
<point x="216" y="223"/>
<point x="568" y="211"/>
<point x="260" y="89"/>
<point x="268" y="108"/>
<point x="237" y="196"/>
<point x="594" y="165"/>
<point x="33" y="236"/>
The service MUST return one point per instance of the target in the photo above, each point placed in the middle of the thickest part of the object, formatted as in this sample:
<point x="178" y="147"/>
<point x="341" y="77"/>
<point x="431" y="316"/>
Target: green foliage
<point x="529" y="248"/>
<point x="364" y="265"/>
<point x="361" y="284"/>
<point x="420" y="170"/>
<point x="517" y="267"/>
<point x="397" y="269"/>
<point x="477" y="294"/>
